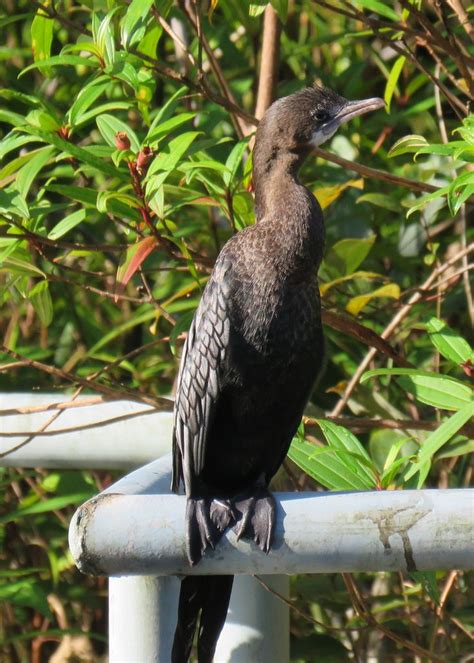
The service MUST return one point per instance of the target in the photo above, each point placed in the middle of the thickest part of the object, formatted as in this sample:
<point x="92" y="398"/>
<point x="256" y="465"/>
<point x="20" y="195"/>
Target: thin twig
<point x="364" y="612"/>
<point x="374" y="173"/>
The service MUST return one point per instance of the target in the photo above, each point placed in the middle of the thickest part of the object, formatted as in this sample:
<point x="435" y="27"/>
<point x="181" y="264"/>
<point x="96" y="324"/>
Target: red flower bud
<point x="144" y="158"/>
<point x="122" y="141"/>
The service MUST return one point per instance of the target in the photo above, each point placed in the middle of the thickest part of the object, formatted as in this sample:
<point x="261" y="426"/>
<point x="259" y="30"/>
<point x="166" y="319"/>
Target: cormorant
<point x="252" y="354"/>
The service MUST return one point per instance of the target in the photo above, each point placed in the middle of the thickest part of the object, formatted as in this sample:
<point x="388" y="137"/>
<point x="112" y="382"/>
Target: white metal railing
<point x="142" y="609"/>
<point x="134" y="533"/>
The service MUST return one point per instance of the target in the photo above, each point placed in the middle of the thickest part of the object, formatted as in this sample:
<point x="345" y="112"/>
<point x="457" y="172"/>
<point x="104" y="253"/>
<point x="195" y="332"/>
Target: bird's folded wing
<point x="199" y="380"/>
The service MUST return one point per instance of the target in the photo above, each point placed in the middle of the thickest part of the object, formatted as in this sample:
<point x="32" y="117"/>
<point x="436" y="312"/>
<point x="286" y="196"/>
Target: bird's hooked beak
<point x="350" y="110"/>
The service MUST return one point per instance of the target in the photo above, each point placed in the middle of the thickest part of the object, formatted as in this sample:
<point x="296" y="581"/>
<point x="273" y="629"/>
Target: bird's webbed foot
<point x="206" y="521"/>
<point x="257" y="517"/>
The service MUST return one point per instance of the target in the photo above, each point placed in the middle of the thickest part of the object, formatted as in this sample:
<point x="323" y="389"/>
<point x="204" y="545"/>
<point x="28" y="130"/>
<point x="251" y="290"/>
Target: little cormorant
<point x="252" y="354"/>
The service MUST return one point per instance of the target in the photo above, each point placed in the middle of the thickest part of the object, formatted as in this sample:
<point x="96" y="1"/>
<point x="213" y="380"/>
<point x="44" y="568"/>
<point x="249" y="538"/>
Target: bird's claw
<point x="257" y="519"/>
<point x="206" y="521"/>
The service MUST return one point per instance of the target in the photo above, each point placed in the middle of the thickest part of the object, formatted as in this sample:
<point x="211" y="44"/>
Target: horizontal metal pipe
<point x="143" y="533"/>
<point x="87" y="441"/>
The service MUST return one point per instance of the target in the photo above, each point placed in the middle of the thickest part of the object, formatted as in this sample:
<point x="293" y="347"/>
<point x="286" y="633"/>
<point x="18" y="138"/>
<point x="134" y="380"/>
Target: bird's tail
<point x="209" y="596"/>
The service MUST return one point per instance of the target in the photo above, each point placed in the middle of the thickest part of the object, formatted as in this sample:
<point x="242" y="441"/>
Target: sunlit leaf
<point x="27" y="174"/>
<point x="345" y="256"/>
<point x="257" y="7"/>
<point x="407" y="144"/>
<point x="171" y="155"/>
<point x="393" y="80"/>
<point x="325" y="195"/>
<point x="134" y="22"/>
<point x="356" y="304"/>
<point x="378" y="7"/>
<point x="61" y="60"/>
<point x="134" y="257"/>
<point x="433" y="389"/>
<point x="68" y="223"/>
<point x="437" y="439"/>
<point x="448" y="342"/>
<point x="41" y="35"/>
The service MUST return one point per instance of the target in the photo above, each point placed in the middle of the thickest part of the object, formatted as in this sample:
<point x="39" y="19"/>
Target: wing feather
<point x="199" y="379"/>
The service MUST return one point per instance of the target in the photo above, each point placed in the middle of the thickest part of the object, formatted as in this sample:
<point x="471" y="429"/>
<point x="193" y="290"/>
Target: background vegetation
<point x="125" y="135"/>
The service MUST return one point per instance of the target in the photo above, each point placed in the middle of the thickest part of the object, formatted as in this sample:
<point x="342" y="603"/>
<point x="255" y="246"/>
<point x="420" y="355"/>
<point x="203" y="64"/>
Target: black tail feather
<point x="208" y="595"/>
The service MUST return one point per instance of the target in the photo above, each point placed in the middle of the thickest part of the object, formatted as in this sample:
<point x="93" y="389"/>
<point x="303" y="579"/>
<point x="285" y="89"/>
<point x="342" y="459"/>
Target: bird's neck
<point x="282" y="201"/>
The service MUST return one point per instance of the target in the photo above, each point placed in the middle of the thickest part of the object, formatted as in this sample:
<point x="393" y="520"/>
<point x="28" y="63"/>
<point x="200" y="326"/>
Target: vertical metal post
<point x="142" y="618"/>
<point x="257" y="626"/>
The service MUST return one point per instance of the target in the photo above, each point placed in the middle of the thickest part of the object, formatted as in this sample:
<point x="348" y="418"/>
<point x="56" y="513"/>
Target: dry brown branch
<point x="80" y="427"/>
<point x="240" y="120"/>
<point x="270" y="52"/>
<point x="117" y="394"/>
<point x="347" y="325"/>
<point x="463" y="17"/>
<point x="374" y="173"/>
<point x="64" y="405"/>
<point x="365" y="424"/>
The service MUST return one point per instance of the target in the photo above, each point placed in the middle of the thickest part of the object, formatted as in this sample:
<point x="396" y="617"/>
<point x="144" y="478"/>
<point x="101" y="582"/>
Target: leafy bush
<point x="125" y="162"/>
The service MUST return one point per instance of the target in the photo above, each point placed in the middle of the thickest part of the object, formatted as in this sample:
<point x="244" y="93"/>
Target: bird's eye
<point x="321" y="116"/>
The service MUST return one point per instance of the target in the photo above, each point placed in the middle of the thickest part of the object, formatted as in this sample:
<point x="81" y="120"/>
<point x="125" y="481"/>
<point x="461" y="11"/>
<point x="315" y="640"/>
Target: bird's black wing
<point x="202" y="365"/>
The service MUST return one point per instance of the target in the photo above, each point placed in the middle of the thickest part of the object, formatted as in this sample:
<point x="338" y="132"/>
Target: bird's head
<point x="311" y="116"/>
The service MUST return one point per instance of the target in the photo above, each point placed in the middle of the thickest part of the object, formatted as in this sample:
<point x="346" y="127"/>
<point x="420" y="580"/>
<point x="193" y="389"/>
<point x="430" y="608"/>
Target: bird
<point x="252" y="354"/>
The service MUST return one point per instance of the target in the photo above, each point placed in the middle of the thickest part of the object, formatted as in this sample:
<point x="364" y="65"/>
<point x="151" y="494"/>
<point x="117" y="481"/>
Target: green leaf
<point x="457" y="447"/>
<point x="134" y="22"/>
<point x="41" y="119"/>
<point x="437" y="439"/>
<point x="281" y="8"/>
<point x="356" y="304"/>
<point x="30" y="170"/>
<point x="449" y="343"/>
<point x="411" y="143"/>
<point x="421" y="202"/>
<point x="86" y="97"/>
<point x="68" y="223"/>
<point x="40" y="297"/>
<point x="171" y="155"/>
<point x="341" y="439"/>
<point x="234" y="160"/>
<point x="393" y="80"/>
<point x="439" y="391"/>
<point x="44" y="506"/>
<point x="257" y="7"/>
<point x="167" y="110"/>
<point x="166" y="127"/>
<point x="41" y="36"/>
<point x="82" y="154"/>
<point x="12" y="142"/>
<point x="103" y="34"/>
<point x="380" y="200"/>
<point x="109" y="126"/>
<point x="61" y="60"/>
<point x="378" y="7"/>
<point x="344" y="257"/>
<point x="325" y="466"/>
<point x="26" y="594"/>
<point x="102" y="108"/>
<point x="21" y="266"/>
